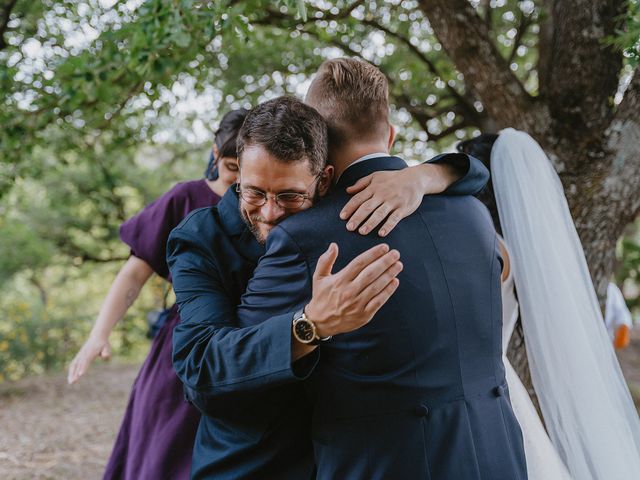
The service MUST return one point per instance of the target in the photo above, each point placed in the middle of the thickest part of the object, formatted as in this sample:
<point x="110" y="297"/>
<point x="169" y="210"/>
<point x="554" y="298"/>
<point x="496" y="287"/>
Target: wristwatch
<point x="305" y="330"/>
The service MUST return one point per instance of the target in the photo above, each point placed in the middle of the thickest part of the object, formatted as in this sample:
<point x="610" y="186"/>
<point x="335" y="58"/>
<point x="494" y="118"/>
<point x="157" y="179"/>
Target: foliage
<point x="42" y="336"/>
<point x="89" y="85"/>
<point x="106" y="103"/>
<point x="628" y="38"/>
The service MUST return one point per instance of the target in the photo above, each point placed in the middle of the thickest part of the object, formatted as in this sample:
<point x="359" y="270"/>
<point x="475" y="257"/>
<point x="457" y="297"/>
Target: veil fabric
<point x="585" y="402"/>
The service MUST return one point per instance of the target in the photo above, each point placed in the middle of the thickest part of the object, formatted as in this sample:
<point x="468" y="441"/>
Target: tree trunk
<point x="593" y="145"/>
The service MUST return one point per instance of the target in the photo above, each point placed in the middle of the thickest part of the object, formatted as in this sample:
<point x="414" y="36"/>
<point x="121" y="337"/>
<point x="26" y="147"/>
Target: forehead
<point x="260" y="169"/>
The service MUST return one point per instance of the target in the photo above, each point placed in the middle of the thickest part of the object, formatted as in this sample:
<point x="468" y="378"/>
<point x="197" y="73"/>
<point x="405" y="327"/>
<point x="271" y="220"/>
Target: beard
<point x="252" y="221"/>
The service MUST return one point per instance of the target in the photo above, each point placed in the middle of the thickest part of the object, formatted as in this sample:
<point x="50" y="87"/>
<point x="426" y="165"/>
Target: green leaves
<point x="80" y="114"/>
<point x="629" y="38"/>
<point x="35" y="252"/>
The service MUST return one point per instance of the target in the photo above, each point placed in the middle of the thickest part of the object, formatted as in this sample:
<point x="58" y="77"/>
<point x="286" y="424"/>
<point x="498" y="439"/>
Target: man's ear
<point x="392" y="136"/>
<point x="326" y="177"/>
<point x="215" y="151"/>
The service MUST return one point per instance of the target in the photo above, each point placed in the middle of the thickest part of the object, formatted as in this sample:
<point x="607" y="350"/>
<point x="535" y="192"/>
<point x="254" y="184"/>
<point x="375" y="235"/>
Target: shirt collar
<point x="362" y="169"/>
<point x="363" y="159"/>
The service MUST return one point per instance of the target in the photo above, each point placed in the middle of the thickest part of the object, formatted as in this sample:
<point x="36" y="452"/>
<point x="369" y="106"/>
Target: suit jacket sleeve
<point x="281" y="283"/>
<point x="476" y="174"/>
<point x="212" y="354"/>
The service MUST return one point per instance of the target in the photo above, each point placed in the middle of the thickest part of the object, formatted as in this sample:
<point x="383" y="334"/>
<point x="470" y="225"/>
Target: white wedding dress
<point x="587" y="408"/>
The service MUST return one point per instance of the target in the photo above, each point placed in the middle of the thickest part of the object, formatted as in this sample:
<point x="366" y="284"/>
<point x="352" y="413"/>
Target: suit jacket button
<point x="421" y="411"/>
<point x="499" y="390"/>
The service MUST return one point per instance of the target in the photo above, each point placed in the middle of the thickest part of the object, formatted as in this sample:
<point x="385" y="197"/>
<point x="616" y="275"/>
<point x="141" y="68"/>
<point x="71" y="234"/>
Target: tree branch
<point x="488" y="17"/>
<point x="465" y="37"/>
<point x="343" y="13"/>
<point x="525" y="22"/>
<point x="409" y="103"/>
<point x="447" y="131"/>
<point x="273" y="16"/>
<point x="416" y="51"/>
<point x="44" y="298"/>
<point x="67" y="247"/>
<point x="5" y="14"/>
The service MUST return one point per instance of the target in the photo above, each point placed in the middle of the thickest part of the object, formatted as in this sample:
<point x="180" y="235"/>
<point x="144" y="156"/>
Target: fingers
<point x="326" y="261"/>
<point x="71" y="376"/>
<point x="354" y="205"/>
<point x="392" y="221"/>
<point x="380" y="282"/>
<point x="81" y="369"/>
<point x="364" y="211"/>
<point x="87" y="354"/>
<point x="359" y="185"/>
<point x="364" y="260"/>
<point x="381" y="298"/>
<point x="76" y="370"/>
<point x="375" y="269"/>
<point x="375" y="219"/>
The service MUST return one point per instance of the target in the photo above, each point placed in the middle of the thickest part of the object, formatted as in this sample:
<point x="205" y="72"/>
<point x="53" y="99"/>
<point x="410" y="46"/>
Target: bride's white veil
<point x="584" y="399"/>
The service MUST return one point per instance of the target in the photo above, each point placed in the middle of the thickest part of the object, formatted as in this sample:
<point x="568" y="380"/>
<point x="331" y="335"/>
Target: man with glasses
<point x="420" y="391"/>
<point x="245" y="376"/>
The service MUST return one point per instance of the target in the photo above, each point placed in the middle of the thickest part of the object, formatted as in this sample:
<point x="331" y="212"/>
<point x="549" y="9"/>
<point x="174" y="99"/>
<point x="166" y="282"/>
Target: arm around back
<point x="213" y="354"/>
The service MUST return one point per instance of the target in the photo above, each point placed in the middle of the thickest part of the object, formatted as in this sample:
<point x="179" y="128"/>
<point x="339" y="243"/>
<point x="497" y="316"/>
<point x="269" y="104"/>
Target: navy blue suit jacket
<point x="420" y="391"/>
<point x="237" y="370"/>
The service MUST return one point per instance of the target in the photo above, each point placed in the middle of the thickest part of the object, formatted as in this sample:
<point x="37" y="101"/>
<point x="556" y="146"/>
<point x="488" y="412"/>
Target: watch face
<point x="304" y="331"/>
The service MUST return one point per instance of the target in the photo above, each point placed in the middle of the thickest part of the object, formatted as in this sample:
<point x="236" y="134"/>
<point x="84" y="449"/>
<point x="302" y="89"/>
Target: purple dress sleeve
<point x="147" y="232"/>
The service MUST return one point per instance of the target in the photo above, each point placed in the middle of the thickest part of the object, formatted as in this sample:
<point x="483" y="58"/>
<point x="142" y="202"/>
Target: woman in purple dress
<point x="157" y="434"/>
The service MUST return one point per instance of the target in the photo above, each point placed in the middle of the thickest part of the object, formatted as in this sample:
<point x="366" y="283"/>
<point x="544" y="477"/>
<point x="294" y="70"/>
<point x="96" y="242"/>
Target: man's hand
<point x="347" y="300"/>
<point x="393" y="195"/>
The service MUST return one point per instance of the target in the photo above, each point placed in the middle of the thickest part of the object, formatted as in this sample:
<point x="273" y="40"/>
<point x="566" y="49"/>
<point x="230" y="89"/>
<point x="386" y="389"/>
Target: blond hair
<point x="353" y="97"/>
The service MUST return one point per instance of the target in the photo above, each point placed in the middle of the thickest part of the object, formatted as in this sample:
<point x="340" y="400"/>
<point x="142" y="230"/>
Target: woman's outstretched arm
<point x="123" y="292"/>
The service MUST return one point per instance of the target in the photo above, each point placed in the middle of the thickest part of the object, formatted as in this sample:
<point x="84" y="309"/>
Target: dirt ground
<point x="49" y="430"/>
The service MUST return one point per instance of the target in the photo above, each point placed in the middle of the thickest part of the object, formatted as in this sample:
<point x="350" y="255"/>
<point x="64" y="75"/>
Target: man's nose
<point x="271" y="211"/>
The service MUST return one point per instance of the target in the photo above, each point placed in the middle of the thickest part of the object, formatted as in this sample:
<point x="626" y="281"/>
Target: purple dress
<point x="159" y="427"/>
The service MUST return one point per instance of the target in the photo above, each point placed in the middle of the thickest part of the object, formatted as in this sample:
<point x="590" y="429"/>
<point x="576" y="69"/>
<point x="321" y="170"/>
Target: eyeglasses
<point x="285" y="200"/>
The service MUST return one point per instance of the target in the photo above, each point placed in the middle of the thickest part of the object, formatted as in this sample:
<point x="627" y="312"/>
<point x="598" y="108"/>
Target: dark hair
<point x="353" y="97"/>
<point x="225" y="139"/>
<point x="289" y="130"/>
<point x="480" y="148"/>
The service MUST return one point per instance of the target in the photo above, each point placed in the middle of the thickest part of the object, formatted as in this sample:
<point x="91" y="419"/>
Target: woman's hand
<point x="94" y="347"/>
<point x="386" y="197"/>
